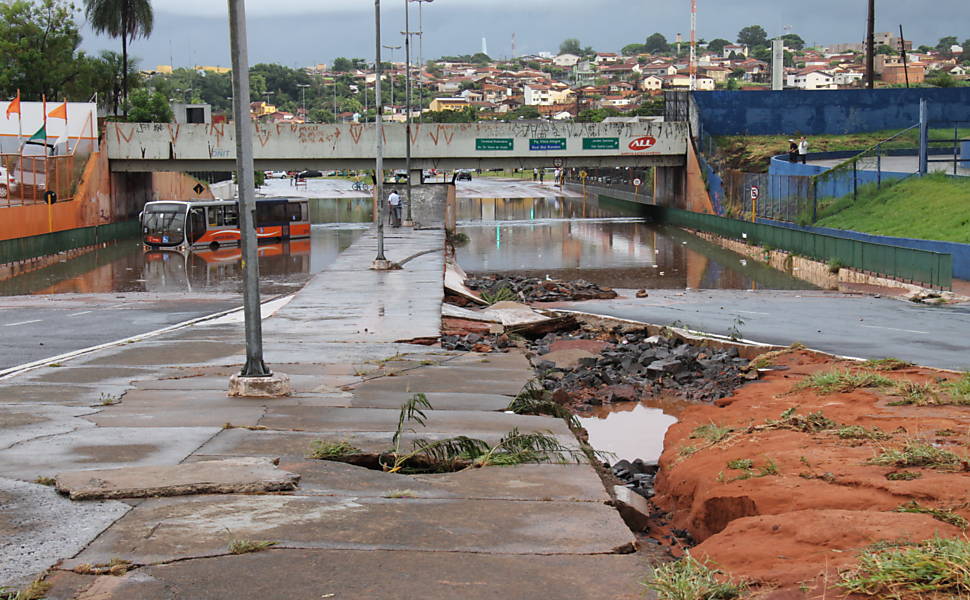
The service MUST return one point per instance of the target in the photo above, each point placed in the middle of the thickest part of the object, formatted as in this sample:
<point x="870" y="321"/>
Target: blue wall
<point x="835" y="186"/>
<point x="960" y="252"/>
<point x="818" y="112"/>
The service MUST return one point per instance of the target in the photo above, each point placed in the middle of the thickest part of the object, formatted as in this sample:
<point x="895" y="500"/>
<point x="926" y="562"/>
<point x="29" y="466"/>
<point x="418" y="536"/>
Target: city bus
<point x="179" y="225"/>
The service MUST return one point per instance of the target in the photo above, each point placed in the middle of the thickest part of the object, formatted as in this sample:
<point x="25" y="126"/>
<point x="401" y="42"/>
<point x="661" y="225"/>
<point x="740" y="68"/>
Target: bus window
<point x="231" y="216"/>
<point x="270" y="214"/>
<point x="215" y="216"/>
<point x="294" y="212"/>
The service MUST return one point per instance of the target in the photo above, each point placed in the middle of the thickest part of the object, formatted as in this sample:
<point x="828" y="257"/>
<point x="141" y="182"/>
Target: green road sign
<point x="541" y="144"/>
<point x="492" y="144"/>
<point x="601" y="143"/>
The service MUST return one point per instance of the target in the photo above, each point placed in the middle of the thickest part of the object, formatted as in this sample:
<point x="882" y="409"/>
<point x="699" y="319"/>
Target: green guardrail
<point x="51" y="243"/>
<point x="932" y="269"/>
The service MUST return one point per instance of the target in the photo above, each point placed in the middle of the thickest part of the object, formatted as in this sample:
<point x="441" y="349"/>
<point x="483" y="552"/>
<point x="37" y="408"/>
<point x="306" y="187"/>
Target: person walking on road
<point x="792" y="151"/>
<point x="803" y="150"/>
<point x="535" y="175"/>
<point x="394" y="202"/>
<point x="542" y="175"/>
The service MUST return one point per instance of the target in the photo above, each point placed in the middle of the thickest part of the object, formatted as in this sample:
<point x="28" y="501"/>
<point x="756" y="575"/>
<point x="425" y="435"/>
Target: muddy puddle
<point x="631" y="430"/>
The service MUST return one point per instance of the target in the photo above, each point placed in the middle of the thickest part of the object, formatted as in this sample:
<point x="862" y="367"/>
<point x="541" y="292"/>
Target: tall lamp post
<point x="392" y="48"/>
<point x="408" y="219"/>
<point x="380" y="263"/>
<point x="303" y="87"/>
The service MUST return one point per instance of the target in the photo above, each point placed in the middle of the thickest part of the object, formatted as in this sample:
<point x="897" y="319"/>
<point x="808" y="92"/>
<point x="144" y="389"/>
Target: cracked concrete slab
<point x="180" y="409"/>
<point x="39" y="527"/>
<point x="165" y="529"/>
<point x="365" y="398"/>
<point x="507" y="382"/>
<point x="22" y="422"/>
<point x="378" y="419"/>
<point x="43" y="393"/>
<point x="373" y="574"/>
<point x="102" y="448"/>
<point x="224" y="476"/>
<point x="165" y="352"/>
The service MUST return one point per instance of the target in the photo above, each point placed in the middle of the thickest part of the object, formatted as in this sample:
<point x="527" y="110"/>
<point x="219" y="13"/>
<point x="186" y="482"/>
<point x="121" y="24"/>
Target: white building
<point x="566" y="60"/>
<point x="538" y="95"/>
<point x="813" y="79"/>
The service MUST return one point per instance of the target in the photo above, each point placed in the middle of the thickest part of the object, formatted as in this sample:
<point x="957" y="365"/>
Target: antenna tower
<point x="514" y="44"/>
<point x="693" y="45"/>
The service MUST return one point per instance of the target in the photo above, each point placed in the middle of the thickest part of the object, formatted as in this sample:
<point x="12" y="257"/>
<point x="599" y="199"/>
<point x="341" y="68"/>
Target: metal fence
<point x="931" y="269"/>
<point x="51" y="243"/>
<point x="26" y="179"/>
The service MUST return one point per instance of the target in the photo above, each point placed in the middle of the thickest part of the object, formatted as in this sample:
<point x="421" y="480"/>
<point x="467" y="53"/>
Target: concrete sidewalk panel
<point x="86" y="375"/>
<point x="102" y="448"/>
<point x="507" y="382"/>
<point x="165" y="529"/>
<point x="39" y="527"/>
<point x="165" y="352"/>
<point x="21" y="422"/>
<point x="367" y="398"/>
<point x="225" y="476"/>
<point x="456" y="422"/>
<point x="44" y="393"/>
<point x="565" y="483"/>
<point x="360" y="575"/>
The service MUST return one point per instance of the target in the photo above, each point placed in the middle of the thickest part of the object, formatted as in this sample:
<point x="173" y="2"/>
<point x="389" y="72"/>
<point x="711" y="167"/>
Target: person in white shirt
<point x="394" y="201"/>
<point x="803" y="149"/>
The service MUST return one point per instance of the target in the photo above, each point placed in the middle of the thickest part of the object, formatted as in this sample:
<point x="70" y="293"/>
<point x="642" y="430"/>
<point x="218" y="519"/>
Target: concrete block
<point x="633" y="507"/>
<point x="227" y="476"/>
<point x="274" y="386"/>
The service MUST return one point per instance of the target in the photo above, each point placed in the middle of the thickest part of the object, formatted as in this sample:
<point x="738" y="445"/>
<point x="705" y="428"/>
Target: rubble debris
<point x="530" y="289"/>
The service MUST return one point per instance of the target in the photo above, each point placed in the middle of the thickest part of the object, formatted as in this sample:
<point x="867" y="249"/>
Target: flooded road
<point x="603" y="242"/>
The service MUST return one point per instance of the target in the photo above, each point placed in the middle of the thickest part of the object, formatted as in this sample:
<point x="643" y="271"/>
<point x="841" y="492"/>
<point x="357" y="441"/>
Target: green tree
<point x="342" y="65"/>
<point x="525" y="112"/>
<point x="753" y="36"/>
<point x="945" y="42"/>
<point x="794" y="41"/>
<point x="571" y="46"/>
<point x="717" y="45"/>
<point x="39" y="48"/>
<point x="656" y="44"/>
<point x="481" y="58"/>
<point x="127" y="19"/>
<point x="467" y="115"/>
<point x="148" y="107"/>
<point x="885" y="49"/>
<point x="941" y="79"/>
<point x="632" y="49"/>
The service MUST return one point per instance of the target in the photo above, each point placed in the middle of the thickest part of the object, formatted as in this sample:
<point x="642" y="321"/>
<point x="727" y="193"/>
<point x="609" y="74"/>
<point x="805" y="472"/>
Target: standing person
<point x="542" y="175"/>
<point x="803" y="150"/>
<point x="394" y="202"/>
<point x="559" y="178"/>
<point x="535" y="175"/>
<point x="792" y="150"/>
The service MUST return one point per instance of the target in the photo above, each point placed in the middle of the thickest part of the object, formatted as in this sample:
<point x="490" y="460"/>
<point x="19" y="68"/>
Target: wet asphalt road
<point x="849" y="325"/>
<point x="38" y="327"/>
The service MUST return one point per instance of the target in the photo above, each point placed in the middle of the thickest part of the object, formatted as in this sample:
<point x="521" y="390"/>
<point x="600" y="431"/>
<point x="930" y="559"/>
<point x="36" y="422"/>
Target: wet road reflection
<point x="603" y="242"/>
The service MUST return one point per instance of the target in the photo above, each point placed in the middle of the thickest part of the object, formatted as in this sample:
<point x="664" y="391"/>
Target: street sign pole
<point x="255" y="367"/>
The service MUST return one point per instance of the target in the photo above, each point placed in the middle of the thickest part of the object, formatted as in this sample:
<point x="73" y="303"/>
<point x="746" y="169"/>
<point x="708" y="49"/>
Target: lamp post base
<point x="384" y="265"/>
<point x="407" y="223"/>
<point x="276" y="385"/>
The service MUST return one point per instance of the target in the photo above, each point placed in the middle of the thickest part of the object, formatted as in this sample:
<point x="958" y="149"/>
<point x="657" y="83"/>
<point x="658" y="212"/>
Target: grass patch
<point x="740" y="463"/>
<point x="116" y="567"/>
<point x="929" y="208"/>
<point x="45" y="481"/>
<point x="689" y="579"/>
<point x="35" y="591"/>
<point x="688" y="451"/>
<point x="936" y="566"/>
<point x="959" y="390"/>
<point x="811" y="423"/>
<point x="842" y="381"/>
<point x="534" y="400"/>
<point x="248" y="546"/>
<point x="903" y="475"/>
<point x="503" y="294"/>
<point x="858" y="432"/>
<point x="912" y="392"/>
<point x="886" y="364"/>
<point x="918" y="454"/>
<point x="332" y="450"/>
<point x="940" y="514"/>
<point x="712" y="432"/>
<point x="401" y="494"/>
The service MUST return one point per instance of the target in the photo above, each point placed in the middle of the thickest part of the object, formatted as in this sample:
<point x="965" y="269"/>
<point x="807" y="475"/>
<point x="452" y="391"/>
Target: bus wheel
<point x="214" y="246"/>
<point x="3" y="190"/>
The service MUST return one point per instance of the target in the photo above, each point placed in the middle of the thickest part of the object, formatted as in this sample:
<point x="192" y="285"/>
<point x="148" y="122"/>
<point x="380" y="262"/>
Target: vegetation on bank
<point x="929" y="208"/>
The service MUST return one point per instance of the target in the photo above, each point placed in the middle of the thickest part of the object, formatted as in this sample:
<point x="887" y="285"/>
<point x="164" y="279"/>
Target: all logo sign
<point x="643" y="143"/>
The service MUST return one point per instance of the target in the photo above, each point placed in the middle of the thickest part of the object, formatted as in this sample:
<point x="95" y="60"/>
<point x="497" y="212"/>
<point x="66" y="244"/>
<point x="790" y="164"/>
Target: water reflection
<point x="632" y="430"/>
<point x="601" y="241"/>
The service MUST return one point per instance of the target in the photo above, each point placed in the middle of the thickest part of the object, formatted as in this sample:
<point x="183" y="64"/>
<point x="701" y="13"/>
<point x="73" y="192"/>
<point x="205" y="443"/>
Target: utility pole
<point x="380" y="263"/>
<point x="871" y="47"/>
<point x="392" y="48"/>
<point x="902" y="50"/>
<point x="408" y="219"/>
<point x="303" y="87"/>
<point x="243" y="384"/>
<point x="693" y="45"/>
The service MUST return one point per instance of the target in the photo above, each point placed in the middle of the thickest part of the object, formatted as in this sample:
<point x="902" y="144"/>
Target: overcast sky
<point x="298" y="33"/>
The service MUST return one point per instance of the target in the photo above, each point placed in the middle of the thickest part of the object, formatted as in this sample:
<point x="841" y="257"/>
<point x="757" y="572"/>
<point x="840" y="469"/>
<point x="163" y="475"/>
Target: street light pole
<point x="380" y="263"/>
<point x="408" y="219"/>
<point x="392" y="48"/>
<point x="303" y="87"/>
<point x="255" y="367"/>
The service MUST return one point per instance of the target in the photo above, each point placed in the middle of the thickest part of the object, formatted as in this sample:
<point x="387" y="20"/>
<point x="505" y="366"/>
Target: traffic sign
<point x="755" y="192"/>
<point x="557" y="162"/>
<point x="637" y="182"/>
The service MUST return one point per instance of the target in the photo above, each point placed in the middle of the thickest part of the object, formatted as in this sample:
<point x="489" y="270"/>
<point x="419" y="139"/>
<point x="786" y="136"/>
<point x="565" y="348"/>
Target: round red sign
<point x="643" y="143"/>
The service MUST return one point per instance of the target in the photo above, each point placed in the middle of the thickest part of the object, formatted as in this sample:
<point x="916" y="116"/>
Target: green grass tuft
<point x="918" y="454"/>
<point x="940" y="514"/>
<point x="886" y="364"/>
<point x="689" y="579"/>
<point x="857" y="432"/>
<point x="903" y="475"/>
<point x="247" y="546"/>
<point x="712" y="432"/>
<point x="842" y="381"/>
<point x="332" y="450"/>
<point x="930" y="569"/>
<point x="740" y="463"/>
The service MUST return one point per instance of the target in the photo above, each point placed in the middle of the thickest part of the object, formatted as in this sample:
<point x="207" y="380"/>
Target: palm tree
<point x="127" y="19"/>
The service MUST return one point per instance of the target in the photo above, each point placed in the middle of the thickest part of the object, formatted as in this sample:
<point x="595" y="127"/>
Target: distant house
<point x="813" y="79"/>
<point x="566" y="60"/>
<point x="958" y="71"/>
<point x="651" y="83"/>
<point x="606" y="57"/>
<point x="440" y="104"/>
<point x="718" y="74"/>
<point x="897" y="74"/>
<point x="739" y="49"/>
<point x="536" y="95"/>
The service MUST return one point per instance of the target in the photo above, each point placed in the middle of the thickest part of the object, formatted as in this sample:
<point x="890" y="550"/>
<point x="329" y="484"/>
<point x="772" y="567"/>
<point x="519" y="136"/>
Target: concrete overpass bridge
<point x="145" y="147"/>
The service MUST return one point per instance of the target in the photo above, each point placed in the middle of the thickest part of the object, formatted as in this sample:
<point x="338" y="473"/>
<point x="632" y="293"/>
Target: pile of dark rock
<point x="530" y="289"/>
<point x="474" y="342"/>
<point x="636" y="366"/>
<point x="636" y="475"/>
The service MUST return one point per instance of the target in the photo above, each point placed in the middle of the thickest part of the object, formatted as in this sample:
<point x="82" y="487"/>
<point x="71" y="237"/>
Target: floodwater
<point x="605" y="242"/>
<point x="125" y="266"/>
<point x="631" y="430"/>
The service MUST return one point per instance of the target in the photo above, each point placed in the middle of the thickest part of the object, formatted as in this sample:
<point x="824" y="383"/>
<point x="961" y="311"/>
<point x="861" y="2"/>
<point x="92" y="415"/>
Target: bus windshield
<point x="164" y="224"/>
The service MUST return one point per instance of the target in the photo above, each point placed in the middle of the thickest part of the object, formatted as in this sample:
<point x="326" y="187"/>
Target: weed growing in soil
<point x="740" y="463"/>
<point x="959" y="390"/>
<point x="689" y="579"/>
<point x="116" y="567"/>
<point x="937" y="566"/>
<point x="49" y="481"/>
<point x="858" y="432"/>
<point x="688" y="451"/>
<point x="842" y="381"/>
<point x="886" y="364"/>
<point x="712" y="432"/>
<point x="903" y="475"/>
<point x="912" y="392"/>
<point x="332" y="450"/>
<point x="810" y="423"/>
<point x="534" y="400"/>
<point x="940" y="514"/>
<point x="501" y="295"/>
<point x="35" y="591"/>
<point x="918" y="454"/>
<point x="247" y="546"/>
<point x="769" y="468"/>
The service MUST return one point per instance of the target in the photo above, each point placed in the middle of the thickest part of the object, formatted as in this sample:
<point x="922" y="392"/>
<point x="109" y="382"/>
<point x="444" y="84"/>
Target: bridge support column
<point x="670" y="186"/>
